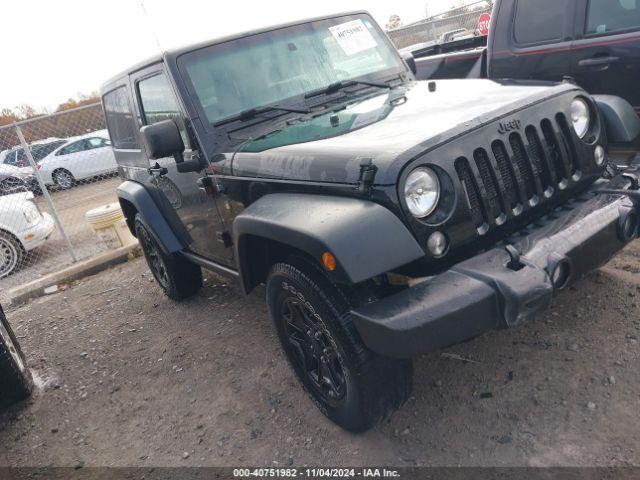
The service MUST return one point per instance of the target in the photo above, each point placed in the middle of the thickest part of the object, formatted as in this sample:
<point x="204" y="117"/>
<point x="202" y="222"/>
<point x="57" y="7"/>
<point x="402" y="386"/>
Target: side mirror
<point x="410" y="60"/>
<point x="162" y="140"/>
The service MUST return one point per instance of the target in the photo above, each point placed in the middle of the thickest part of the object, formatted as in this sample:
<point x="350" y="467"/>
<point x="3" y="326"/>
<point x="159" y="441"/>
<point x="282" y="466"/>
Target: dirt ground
<point x="131" y="379"/>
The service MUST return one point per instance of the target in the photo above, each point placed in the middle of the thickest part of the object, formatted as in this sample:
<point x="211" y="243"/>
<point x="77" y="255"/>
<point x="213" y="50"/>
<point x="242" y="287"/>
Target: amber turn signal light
<point x="329" y="261"/>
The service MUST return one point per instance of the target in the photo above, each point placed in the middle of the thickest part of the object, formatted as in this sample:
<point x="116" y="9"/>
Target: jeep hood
<point x="390" y="128"/>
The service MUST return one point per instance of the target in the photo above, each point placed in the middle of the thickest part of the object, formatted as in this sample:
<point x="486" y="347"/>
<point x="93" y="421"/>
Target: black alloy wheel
<point x="314" y="351"/>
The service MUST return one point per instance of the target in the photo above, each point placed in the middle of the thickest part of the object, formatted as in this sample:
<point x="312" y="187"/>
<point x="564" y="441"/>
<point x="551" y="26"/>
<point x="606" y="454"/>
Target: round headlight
<point x="580" y="117"/>
<point x="421" y="192"/>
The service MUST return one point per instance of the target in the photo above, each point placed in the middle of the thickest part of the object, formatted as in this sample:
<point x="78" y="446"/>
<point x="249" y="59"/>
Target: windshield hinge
<point x="367" y="175"/>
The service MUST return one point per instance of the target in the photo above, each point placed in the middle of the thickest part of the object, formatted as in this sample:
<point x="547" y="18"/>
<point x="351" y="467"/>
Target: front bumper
<point x="507" y="285"/>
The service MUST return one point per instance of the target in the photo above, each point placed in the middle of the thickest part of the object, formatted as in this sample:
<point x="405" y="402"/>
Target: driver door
<point x="156" y="101"/>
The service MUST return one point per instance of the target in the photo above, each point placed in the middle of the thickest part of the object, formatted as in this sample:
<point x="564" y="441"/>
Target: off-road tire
<point x="178" y="278"/>
<point x="375" y="386"/>
<point x="15" y="378"/>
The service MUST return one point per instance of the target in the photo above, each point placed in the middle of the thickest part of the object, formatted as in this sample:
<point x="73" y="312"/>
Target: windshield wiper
<point x="335" y="87"/>
<point x="254" y="112"/>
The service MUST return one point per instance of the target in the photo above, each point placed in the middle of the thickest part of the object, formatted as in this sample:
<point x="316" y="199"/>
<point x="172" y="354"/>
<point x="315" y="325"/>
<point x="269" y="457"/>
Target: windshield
<point x="271" y="67"/>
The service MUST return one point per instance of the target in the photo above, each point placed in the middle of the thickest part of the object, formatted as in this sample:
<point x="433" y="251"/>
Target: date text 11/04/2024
<point x="316" y="472"/>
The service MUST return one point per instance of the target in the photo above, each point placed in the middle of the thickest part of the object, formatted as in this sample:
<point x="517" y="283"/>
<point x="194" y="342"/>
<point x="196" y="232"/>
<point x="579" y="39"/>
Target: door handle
<point x="598" y="61"/>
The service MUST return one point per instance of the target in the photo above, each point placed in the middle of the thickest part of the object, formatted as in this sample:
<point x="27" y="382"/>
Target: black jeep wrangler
<point x="386" y="217"/>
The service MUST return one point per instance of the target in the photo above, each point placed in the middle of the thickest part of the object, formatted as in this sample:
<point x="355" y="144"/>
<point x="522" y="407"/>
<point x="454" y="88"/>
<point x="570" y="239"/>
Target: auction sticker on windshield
<point x="353" y="37"/>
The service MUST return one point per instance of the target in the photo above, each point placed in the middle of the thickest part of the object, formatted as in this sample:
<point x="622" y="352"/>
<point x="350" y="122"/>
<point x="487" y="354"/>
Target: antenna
<point x="150" y="24"/>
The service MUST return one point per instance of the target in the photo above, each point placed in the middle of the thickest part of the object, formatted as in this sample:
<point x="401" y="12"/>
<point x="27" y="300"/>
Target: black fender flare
<point x="366" y="238"/>
<point x="621" y="121"/>
<point x="158" y="215"/>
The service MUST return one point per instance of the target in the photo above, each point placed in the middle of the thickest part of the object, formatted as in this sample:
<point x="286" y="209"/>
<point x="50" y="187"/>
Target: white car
<point x="80" y="158"/>
<point x="15" y="172"/>
<point x="14" y="179"/>
<point x="22" y="228"/>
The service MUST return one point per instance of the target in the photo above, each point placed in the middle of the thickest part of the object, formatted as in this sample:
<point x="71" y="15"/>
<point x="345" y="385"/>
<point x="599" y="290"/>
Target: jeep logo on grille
<point x="506" y="127"/>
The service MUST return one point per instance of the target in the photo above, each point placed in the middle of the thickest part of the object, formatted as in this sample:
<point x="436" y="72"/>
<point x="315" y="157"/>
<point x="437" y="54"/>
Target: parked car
<point x="597" y="47"/>
<point x="15" y="378"/>
<point x="79" y="158"/>
<point x="39" y="149"/>
<point x="387" y="217"/>
<point x="22" y="228"/>
<point x="15" y="172"/>
<point x="13" y="180"/>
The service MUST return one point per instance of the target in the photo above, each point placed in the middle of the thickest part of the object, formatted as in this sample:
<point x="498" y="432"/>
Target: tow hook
<point x="514" y="258"/>
<point x="629" y="222"/>
<point x="367" y="176"/>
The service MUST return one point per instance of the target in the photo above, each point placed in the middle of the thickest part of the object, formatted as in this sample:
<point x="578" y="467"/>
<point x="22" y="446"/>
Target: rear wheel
<point x="11" y="254"/>
<point x="178" y="278"/>
<point x="15" y="379"/>
<point x="351" y="385"/>
<point x="64" y="179"/>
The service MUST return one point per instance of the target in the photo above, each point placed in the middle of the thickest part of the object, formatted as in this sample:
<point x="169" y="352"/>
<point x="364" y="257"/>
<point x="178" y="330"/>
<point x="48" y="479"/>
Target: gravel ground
<point x="131" y="379"/>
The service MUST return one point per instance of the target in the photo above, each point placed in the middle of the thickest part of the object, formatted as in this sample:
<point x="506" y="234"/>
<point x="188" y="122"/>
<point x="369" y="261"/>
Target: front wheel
<point x="178" y="278"/>
<point x="11" y="254"/>
<point x="15" y="380"/>
<point x="351" y="385"/>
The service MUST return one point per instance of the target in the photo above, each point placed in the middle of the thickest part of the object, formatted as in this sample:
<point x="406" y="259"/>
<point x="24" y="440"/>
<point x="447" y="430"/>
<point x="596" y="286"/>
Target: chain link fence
<point x="454" y="25"/>
<point x="57" y="194"/>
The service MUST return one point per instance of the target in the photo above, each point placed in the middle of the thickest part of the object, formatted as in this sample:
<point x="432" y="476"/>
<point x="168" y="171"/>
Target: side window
<point x="605" y="16"/>
<point x="158" y="102"/>
<point x="74" y="147"/>
<point x="41" y="151"/>
<point x="120" y="121"/>
<point x="22" y="159"/>
<point x="96" y="142"/>
<point x="541" y="21"/>
<point x="10" y="159"/>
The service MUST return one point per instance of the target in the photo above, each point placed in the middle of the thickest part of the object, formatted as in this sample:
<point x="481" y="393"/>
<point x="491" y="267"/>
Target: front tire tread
<point x="383" y="384"/>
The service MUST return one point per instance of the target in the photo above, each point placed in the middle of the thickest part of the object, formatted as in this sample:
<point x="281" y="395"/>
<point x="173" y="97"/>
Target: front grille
<point x="471" y="189"/>
<point x="518" y="173"/>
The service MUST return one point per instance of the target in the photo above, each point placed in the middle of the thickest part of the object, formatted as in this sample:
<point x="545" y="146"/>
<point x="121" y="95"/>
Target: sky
<point x="53" y="50"/>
